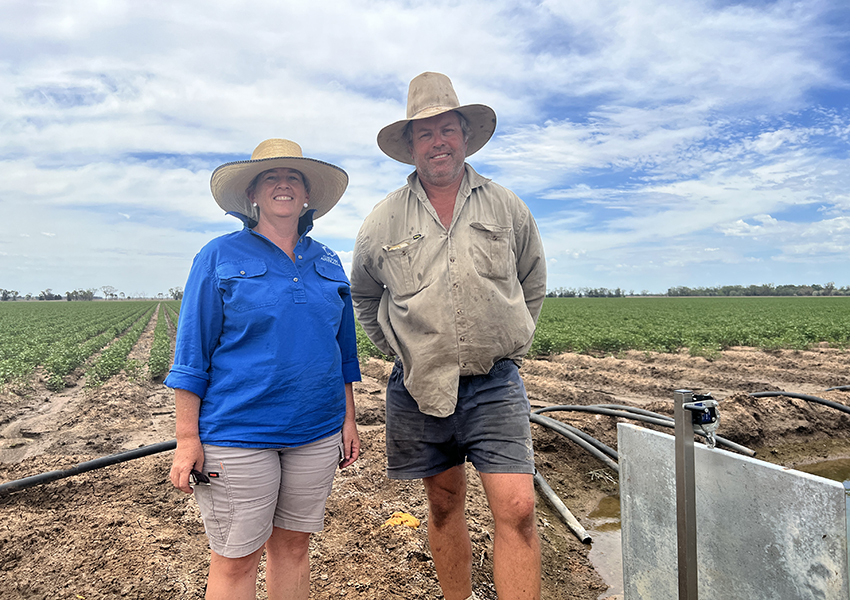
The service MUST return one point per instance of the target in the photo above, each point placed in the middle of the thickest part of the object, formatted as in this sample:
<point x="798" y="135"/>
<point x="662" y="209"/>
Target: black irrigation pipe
<point x="588" y="438"/>
<point x="105" y="461"/>
<point x="601" y="451"/>
<point x="638" y="414"/>
<point x="720" y="439"/>
<point x="829" y="403"/>
<point x="589" y="446"/>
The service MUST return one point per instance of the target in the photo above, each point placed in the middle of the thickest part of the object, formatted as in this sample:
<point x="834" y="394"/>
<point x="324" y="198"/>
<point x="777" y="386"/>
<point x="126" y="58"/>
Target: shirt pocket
<point x="491" y="250"/>
<point x="333" y="281"/>
<point x="245" y="285"/>
<point x="404" y="270"/>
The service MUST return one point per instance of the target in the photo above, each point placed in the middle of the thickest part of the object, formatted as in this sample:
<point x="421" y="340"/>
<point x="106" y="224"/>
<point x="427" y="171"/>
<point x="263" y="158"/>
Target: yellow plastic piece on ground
<point x="402" y="518"/>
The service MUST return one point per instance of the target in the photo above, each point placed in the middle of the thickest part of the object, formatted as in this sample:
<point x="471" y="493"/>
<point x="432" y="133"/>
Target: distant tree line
<point x="827" y="289"/>
<point x="77" y="295"/>
<point x="589" y="293"/>
<point x="109" y="293"/>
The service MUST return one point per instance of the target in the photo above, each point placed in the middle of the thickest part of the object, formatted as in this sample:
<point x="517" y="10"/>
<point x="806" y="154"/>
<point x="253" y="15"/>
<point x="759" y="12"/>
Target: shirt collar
<point x="305" y="221"/>
<point x="471" y="180"/>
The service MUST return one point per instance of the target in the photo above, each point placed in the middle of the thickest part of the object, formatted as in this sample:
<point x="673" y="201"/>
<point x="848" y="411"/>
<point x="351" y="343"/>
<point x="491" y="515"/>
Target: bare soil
<point x="124" y="532"/>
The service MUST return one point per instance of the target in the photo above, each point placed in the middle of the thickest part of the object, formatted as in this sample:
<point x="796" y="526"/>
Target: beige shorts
<point x="254" y="489"/>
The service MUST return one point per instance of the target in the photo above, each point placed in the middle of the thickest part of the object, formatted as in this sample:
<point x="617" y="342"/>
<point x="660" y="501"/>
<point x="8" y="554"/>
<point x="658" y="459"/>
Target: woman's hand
<point x="350" y="437"/>
<point x="189" y="455"/>
<point x="350" y="443"/>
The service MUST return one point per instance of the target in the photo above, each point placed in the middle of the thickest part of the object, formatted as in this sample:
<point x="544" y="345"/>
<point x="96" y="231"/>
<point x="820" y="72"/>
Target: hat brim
<point x="482" y="125"/>
<point x="229" y="182"/>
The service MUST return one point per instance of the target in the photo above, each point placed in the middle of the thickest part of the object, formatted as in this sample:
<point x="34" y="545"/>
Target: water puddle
<point x="606" y="554"/>
<point x="603" y="525"/>
<point x="837" y="470"/>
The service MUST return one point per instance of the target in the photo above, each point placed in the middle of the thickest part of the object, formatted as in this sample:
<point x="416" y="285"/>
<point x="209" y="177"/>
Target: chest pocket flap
<point x="241" y="269"/>
<point x="331" y="271"/>
<point x="491" y="250"/>
<point x="243" y="285"/>
<point x="334" y="282"/>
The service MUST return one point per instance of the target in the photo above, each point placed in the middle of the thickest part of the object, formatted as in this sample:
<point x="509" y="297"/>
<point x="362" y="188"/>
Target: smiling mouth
<point x="439" y="156"/>
<point x="281" y="198"/>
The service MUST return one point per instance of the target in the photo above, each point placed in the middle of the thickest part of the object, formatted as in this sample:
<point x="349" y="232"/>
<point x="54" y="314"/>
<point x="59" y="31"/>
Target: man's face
<point x="438" y="149"/>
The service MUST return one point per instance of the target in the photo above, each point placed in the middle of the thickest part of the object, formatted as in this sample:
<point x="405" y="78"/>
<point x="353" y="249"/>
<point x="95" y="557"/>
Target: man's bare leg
<point x="516" y="548"/>
<point x="448" y="534"/>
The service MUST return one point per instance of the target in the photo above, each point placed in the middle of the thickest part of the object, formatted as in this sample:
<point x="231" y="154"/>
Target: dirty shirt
<point x="267" y="344"/>
<point x="449" y="302"/>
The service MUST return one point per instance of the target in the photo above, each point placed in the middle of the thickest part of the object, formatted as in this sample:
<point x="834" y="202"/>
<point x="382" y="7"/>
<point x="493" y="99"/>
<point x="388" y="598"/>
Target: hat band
<point x="431" y="111"/>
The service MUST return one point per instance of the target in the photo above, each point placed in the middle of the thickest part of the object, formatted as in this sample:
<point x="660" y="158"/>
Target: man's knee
<point x="446" y="494"/>
<point x="521" y="509"/>
<point x="516" y="512"/>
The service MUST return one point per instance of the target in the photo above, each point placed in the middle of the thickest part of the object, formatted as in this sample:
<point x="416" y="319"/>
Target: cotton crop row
<point x="704" y="326"/>
<point x="56" y="338"/>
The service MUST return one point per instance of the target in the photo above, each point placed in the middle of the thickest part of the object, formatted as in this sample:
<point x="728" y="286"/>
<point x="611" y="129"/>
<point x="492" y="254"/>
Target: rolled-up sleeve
<point x="198" y="330"/>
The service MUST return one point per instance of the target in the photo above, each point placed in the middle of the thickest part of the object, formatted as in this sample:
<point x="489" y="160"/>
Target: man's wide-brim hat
<point x="429" y="95"/>
<point x="230" y="181"/>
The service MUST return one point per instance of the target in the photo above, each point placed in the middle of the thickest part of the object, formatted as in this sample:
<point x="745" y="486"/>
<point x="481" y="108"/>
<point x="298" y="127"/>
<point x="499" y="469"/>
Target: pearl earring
<point x="306" y="205"/>
<point x="253" y="204"/>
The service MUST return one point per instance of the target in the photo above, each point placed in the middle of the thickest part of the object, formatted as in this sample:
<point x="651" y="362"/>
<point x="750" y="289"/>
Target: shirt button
<point x="452" y="259"/>
<point x="463" y="339"/>
<point x="241" y="272"/>
<point x="295" y="279"/>
<point x="300" y="257"/>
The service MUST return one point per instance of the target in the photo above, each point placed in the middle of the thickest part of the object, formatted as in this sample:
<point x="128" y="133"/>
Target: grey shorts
<point x="254" y="489"/>
<point x="490" y="427"/>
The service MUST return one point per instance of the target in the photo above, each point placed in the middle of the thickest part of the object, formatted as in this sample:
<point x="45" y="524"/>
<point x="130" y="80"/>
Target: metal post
<point x="686" y="516"/>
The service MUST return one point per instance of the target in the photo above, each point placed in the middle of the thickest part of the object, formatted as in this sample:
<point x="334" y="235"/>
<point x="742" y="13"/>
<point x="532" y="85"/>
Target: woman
<point x="265" y="359"/>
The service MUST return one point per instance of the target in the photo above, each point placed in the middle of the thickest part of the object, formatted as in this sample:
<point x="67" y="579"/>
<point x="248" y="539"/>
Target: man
<point x="449" y="277"/>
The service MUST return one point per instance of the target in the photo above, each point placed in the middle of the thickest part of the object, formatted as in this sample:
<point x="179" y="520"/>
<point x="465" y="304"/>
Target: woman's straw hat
<point x="429" y="95"/>
<point x="230" y="180"/>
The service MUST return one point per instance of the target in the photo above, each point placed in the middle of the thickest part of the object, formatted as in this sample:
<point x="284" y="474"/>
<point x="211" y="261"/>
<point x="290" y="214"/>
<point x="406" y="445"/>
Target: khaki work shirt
<point x="449" y="302"/>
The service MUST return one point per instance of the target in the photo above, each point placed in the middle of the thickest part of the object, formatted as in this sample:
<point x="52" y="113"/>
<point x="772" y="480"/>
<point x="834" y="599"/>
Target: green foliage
<point x="114" y="357"/>
<point x="61" y="337"/>
<point x="173" y="309"/>
<point x="160" y="357"/>
<point x="73" y="351"/>
<point x="704" y="326"/>
<point x="58" y="336"/>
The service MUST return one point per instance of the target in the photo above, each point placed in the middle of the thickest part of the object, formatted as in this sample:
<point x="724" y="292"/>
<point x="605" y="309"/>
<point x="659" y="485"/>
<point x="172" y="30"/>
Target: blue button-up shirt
<point x="267" y="344"/>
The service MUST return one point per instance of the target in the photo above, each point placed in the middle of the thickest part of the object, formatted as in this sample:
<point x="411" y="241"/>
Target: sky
<point x="657" y="143"/>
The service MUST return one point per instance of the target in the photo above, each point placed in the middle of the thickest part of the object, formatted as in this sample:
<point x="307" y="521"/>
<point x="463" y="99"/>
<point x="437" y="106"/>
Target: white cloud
<point x="633" y="128"/>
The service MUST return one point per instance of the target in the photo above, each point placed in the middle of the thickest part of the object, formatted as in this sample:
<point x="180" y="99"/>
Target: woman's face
<point x="279" y="193"/>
